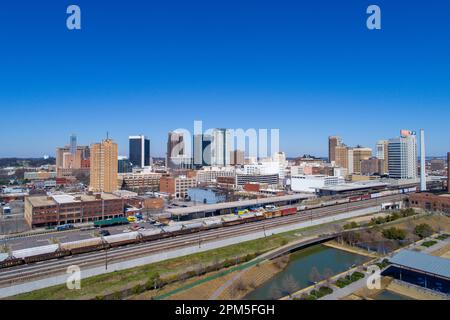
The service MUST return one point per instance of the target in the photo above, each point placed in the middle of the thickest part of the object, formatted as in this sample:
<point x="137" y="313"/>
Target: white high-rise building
<point x="350" y="161"/>
<point x="382" y="154"/>
<point x="280" y="158"/>
<point x="402" y="156"/>
<point x="220" y="155"/>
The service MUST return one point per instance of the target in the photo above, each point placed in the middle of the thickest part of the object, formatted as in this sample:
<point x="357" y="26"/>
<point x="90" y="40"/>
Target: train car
<point x="276" y="213"/>
<point x="150" y="235"/>
<point x="259" y="215"/>
<point x="365" y="197"/>
<point x="172" y="228"/>
<point x="41" y="253"/>
<point x="269" y="215"/>
<point x="230" y="220"/>
<point x="122" y="239"/>
<point x="193" y="227"/>
<point x="6" y="261"/>
<point x="288" y="211"/>
<point x="83" y="246"/>
<point x="355" y="199"/>
<point x="375" y="195"/>
<point x="249" y="217"/>
<point x="212" y="223"/>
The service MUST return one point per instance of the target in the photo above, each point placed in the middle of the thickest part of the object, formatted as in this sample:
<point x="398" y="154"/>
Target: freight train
<point x="57" y="251"/>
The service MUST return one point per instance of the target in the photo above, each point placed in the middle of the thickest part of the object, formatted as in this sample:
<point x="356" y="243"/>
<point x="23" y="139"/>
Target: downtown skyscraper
<point x="104" y="166"/>
<point x="139" y="151"/>
<point x="402" y="156"/>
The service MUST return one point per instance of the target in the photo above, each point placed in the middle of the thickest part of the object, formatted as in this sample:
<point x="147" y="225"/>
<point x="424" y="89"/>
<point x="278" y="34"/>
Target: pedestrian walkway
<point x="340" y="293"/>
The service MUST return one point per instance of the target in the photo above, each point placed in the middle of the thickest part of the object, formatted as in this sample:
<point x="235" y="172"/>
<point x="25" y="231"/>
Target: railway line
<point x="28" y="272"/>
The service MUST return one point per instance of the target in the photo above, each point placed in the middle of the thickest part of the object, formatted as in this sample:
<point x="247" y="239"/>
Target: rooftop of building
<point x="236" y="204"/>
<point x="355" y="186"/>
<point x="422" y="262"/>
<point x="50" y="200"/>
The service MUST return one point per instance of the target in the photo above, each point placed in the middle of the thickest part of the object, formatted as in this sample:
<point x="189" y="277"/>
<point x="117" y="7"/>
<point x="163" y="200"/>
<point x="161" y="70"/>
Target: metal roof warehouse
<point x="349" y="187"/>
<point x="422" y="263"/>
<point x="228" y="207"/>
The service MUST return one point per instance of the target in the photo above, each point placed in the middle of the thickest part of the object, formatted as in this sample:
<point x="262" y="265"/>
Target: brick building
<point x="42" y="211"/>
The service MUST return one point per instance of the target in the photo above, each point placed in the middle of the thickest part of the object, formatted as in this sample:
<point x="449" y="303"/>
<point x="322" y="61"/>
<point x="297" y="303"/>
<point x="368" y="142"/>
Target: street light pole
<point x="106" y="258"/>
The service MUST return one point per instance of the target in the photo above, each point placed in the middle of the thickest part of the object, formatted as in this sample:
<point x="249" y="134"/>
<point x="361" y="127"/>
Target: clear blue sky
<point x="309" y="68"/>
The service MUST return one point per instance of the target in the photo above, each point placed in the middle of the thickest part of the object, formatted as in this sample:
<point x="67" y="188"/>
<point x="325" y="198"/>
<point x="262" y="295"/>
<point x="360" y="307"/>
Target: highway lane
<point x="136" y="250"/>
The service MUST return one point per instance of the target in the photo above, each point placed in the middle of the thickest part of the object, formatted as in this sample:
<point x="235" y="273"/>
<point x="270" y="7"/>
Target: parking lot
<point x="15" y="221"/>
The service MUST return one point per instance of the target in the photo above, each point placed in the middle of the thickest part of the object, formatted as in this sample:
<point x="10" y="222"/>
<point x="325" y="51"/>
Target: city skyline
<point x="225" y="63"/>
<point x="124" y="151"/>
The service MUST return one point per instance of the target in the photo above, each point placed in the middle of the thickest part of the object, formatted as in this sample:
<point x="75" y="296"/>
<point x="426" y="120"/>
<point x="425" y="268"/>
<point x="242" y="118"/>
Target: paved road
<point x="344" y="292"/>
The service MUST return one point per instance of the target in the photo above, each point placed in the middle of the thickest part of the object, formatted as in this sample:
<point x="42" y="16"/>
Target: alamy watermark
<point x="73" y="21"/>
<point x="218" y="147"/>
<point x="73" y="281"/>
<point x="374" y="278"/>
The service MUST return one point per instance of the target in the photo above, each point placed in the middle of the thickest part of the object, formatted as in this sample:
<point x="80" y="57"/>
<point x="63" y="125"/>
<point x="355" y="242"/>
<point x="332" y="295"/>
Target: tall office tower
<point x="341" y="156"/>
<point x="202" y="151"/>
<point x="423" y="173"/>
<point x="280" y="158"/>
<point x="73" y="144"/>
<point x="403" y="156"/>
<point x="124" y="165"/>
<point x="448" y="172"/>
<point x="333" y="142"/>
<point x="382" y="154"/>
<point x="175" y="149"/>
<point x="139" y="151"/>
<point x="351" y="161"/>
<point x="360" y="154"/>
<point x="219" y="145"/>
<point x="237" y="158"/>
<point x="104" y="166"/>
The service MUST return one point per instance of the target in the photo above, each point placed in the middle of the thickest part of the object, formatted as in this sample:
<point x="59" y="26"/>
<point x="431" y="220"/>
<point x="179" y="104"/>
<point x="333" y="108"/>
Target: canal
<point x="306" y="266"/>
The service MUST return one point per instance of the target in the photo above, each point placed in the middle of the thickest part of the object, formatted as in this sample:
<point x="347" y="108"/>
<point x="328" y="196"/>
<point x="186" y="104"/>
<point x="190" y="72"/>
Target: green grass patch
<point x="443" y="237"/>
<point x="348" y="280"/>
<point x="428" y="244"/>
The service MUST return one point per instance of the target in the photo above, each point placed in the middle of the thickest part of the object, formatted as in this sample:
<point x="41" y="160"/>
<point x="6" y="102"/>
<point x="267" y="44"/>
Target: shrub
<point x="352" y="225"/>
<point x="394" y="234"/>
<point x="137" y="289"/>
<point x="423" y="230"/>
<point x="429" y="244"/>
<point x="443" y="237"/>
<point x="383" y="264"/>
<point x="356" y="276"/>
<point x="324" y="291"/>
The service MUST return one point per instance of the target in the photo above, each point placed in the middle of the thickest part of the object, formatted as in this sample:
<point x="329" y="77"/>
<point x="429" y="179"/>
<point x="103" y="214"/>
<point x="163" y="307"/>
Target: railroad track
<point x="39" y="270"/>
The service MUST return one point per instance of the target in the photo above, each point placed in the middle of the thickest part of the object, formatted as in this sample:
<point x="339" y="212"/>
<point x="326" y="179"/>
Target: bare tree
<point x="327" y="275"/>
<point x="275" y="292"/>
<point x="240" y="285"/>
<point x="289" y="285"/>
<point x="281" y="262"/>
<point x="314" y="275"/>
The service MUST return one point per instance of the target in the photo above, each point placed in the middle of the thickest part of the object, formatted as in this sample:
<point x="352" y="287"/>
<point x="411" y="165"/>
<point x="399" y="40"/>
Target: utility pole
<point x="106" y="258"/>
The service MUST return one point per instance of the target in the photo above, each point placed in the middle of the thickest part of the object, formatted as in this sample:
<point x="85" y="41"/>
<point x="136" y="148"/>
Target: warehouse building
<point x="212" y="210"/>
<point x="60" y="209"/>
